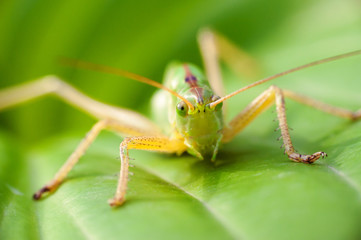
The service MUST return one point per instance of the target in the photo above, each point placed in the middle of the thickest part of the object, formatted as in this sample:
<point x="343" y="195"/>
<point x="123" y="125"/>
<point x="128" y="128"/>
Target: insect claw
<point x="39" y="193"/>
<point x="116" y="202"/>
<point x="277" y="129"/>
<point x="279" y="138"/>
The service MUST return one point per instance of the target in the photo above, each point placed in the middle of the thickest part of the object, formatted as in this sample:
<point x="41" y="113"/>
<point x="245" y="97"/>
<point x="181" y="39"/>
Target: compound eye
<point x="182" y="109"/>
<point x="215" y="98"/>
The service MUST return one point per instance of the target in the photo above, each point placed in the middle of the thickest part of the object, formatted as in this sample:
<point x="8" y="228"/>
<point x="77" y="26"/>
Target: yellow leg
<point x="80" y="150"/>
<point x="16" y="95"/>
<point x="120" y="120"/>
<point x="208" y="47"/>
<point x="159" y="144"/>
<point x="215" y="47"/>
<point x="257" y="106"/>
<point x="340" y="112"/>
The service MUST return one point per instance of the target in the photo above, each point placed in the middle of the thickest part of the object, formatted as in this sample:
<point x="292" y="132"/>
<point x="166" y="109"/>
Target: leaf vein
<point x="223" y="222"/>
<point x="346" y="179"/>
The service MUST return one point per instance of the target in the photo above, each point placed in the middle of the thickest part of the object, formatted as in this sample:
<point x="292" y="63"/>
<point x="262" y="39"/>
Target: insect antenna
<point x="119" y="72"/>
<point x="318" y="62"/>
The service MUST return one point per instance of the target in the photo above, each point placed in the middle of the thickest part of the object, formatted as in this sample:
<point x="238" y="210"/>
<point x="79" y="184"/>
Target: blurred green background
<point x="143" y="37"/>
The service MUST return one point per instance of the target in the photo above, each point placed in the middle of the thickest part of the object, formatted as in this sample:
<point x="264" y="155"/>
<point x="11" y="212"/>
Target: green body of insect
<point x="201" y="128"/>
<point x="186" y="108"/>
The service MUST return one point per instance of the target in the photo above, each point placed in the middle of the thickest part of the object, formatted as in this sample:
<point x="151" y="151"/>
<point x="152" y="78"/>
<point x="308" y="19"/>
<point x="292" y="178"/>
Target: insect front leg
<point x="159" y="144"/>
<point x="79" y="151"/>
<point x="123" y="121"/>
<point x="257" y="106"/>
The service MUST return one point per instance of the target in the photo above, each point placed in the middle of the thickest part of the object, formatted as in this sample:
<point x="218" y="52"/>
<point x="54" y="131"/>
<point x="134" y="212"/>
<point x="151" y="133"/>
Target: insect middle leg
<point x="159" y="144"/>
<point x="123" y="121"/>
<point x="257" y="106"/>
<point x="80" y="150"/>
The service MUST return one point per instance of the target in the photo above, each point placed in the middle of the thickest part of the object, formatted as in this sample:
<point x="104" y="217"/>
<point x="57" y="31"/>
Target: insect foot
<point x="116" y="202"/>
<point x="40" y="193"/>
<point x="306" y="158"/>
<point x="48" y="188"/>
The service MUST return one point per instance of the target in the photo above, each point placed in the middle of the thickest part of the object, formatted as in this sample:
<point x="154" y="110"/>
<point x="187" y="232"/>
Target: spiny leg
<point x="159" y="144"/>
<point x="80" y="150"/>
<point x="290" y="151"/>
<point x="123" y="121"/>
<point x="16" y="95"/>
<point x="257" y="106"/>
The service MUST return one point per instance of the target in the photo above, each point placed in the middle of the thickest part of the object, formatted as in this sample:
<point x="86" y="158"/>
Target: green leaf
<point x="252" y="192"/>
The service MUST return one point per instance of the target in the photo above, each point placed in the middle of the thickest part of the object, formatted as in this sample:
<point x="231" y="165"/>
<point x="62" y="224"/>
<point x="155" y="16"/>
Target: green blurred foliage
<point x="253" y="194"/>
<point x="143" y="37"/>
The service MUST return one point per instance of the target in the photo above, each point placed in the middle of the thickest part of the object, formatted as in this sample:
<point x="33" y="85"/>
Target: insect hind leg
<point x="336" y="111"/>
<point x="52" y="85"/>
<point x="215" y="47"/>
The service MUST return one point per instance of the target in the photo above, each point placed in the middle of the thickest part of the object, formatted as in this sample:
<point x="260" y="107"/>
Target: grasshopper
<point x="188" y="105"/>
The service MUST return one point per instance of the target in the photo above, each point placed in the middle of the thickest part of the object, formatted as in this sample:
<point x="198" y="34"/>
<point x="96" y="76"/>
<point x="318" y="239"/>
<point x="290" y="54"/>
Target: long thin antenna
<point x="318" y="62"/>
<point x="119" y="72"/>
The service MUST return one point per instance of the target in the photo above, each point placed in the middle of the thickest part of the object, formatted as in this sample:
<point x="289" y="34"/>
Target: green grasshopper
<point x="188" y="104"/>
